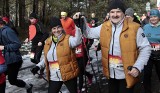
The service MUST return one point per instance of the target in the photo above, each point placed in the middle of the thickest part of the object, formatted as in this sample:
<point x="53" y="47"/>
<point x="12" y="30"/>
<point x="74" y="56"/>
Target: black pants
<point x="55" y="86"/>
<point x="2" y="87"/>
<point x="148" y="74"/>
<point x="82" y="64"/>
<point x="119" y="86"/>
<point x="12" y="72"/>
<point x="37" y="50"/>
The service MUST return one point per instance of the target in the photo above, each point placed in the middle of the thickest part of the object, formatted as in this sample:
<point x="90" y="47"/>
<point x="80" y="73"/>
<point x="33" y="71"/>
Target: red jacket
<point x="69" y="26"/>
<point x="2" y="76"/>
<point x="1" y="58"/>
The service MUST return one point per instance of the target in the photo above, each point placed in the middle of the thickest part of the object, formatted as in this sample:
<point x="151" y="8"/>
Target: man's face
<point x="33" y="20"/>
<point x="154" y="20"/>
<point x="116" y="15"/>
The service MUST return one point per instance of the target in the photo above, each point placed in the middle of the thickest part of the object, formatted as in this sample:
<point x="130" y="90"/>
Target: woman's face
<point x="56" y="31"/>
<point x="154" y="20"/>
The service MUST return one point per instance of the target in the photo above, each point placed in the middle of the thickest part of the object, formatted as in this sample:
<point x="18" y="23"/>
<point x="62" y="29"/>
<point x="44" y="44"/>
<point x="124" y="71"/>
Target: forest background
<point x="19" y="10"/>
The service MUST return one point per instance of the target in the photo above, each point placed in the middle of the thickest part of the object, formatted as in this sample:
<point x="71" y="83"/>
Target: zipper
<point x="113" y="47"/>
<point x="57" y="75"/>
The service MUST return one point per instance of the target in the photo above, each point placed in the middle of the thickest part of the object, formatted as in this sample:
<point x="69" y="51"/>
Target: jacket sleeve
<point x="75" y="41"/>
<point x="13" y="41"/>
<point x="91" y="33"/>
<point x="144" y="50"/>
<point x="41" y="64"/>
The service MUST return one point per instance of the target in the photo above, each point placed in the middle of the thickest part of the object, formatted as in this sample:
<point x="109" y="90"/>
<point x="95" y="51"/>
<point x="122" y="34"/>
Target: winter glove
<point x="35" y="69"/>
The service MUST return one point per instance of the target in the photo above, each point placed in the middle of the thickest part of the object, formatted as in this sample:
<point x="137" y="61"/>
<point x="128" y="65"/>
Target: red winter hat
<point x="6" y="19"/>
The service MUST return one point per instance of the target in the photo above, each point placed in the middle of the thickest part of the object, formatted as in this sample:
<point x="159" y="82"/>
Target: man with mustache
<point x="125" y="49"/>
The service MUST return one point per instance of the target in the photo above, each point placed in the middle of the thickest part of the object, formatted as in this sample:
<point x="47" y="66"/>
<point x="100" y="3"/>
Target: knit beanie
<point x="129" y="12"/>
<point x="33" y="15"/>
<point x="117" y="4"/>
<point x="155" y="12"/>
<point x="55" y="22"/>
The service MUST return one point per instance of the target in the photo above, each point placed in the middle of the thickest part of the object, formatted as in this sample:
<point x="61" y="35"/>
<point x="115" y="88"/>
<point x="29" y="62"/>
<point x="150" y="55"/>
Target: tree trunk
<point x="35" y="6"/>
<point x="44" y="10"/>
<point x="6" y="7"/>
<point x="16" y="22"/>
<point x="21" y="13"/>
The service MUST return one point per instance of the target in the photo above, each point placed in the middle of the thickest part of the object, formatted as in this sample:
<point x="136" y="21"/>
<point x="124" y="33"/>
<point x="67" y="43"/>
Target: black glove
<point x="35" y="69"/>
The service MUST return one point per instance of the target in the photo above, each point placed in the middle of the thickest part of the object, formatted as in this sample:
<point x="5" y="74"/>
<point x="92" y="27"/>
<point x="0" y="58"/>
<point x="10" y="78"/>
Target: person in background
<point x="143" y="17"/>
<point x="6" y="19"/>
<point x="129" y="13"/>
<point x="60" y="59"/>
<point x="82" y="55"/>
<point x="125" y="49"/>
<point x="68" y="24"/>
<point x="10" y="45"/>
<point x="37" y="34"/>
<point x="152" y="32"/>
<point x="106" y="18"/>
<point x="146" y="20"/>
<point x="94" y="20"/>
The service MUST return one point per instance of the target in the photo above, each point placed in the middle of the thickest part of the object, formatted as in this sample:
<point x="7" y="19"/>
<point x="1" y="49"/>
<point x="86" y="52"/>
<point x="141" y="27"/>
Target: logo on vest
<point x="126" y="35"/>
<point x="61" y="44"/>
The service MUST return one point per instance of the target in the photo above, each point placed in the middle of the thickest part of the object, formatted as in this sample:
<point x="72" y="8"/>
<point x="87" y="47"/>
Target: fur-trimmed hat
<point x="155" y="12"/>
<point x="55" y="22"/>
<point x="117" y="4"/>
<point x="33" y="15"/>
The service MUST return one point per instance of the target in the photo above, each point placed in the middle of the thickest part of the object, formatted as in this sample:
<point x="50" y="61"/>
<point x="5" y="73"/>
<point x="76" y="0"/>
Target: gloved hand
<point x="35" y="69"/>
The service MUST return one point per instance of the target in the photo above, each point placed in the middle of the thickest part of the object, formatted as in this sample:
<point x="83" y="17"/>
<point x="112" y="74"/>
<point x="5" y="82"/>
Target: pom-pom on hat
<point x="55" y="22"/>
<point x="155" y="12"/>
<point x="117" y="4"/>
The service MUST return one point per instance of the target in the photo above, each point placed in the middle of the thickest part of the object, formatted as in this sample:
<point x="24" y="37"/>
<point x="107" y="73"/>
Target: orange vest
<point x="66" y="58"/>
<point x="129" y="51"/>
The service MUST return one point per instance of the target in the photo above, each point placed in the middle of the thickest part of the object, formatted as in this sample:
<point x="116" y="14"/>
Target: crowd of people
<point x="130" y="46"/>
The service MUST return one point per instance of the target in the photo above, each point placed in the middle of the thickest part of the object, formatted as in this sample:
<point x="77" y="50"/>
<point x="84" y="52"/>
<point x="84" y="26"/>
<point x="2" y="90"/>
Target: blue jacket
<point x="11" y="43"/>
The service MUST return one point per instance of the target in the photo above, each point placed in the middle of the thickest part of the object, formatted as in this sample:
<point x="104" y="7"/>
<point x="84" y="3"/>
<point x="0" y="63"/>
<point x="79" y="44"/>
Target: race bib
<point x="78" y="50"/>
<point x="115" y="62"/>
<point x="155" y="47"/>
<point x="54" y="65"/>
